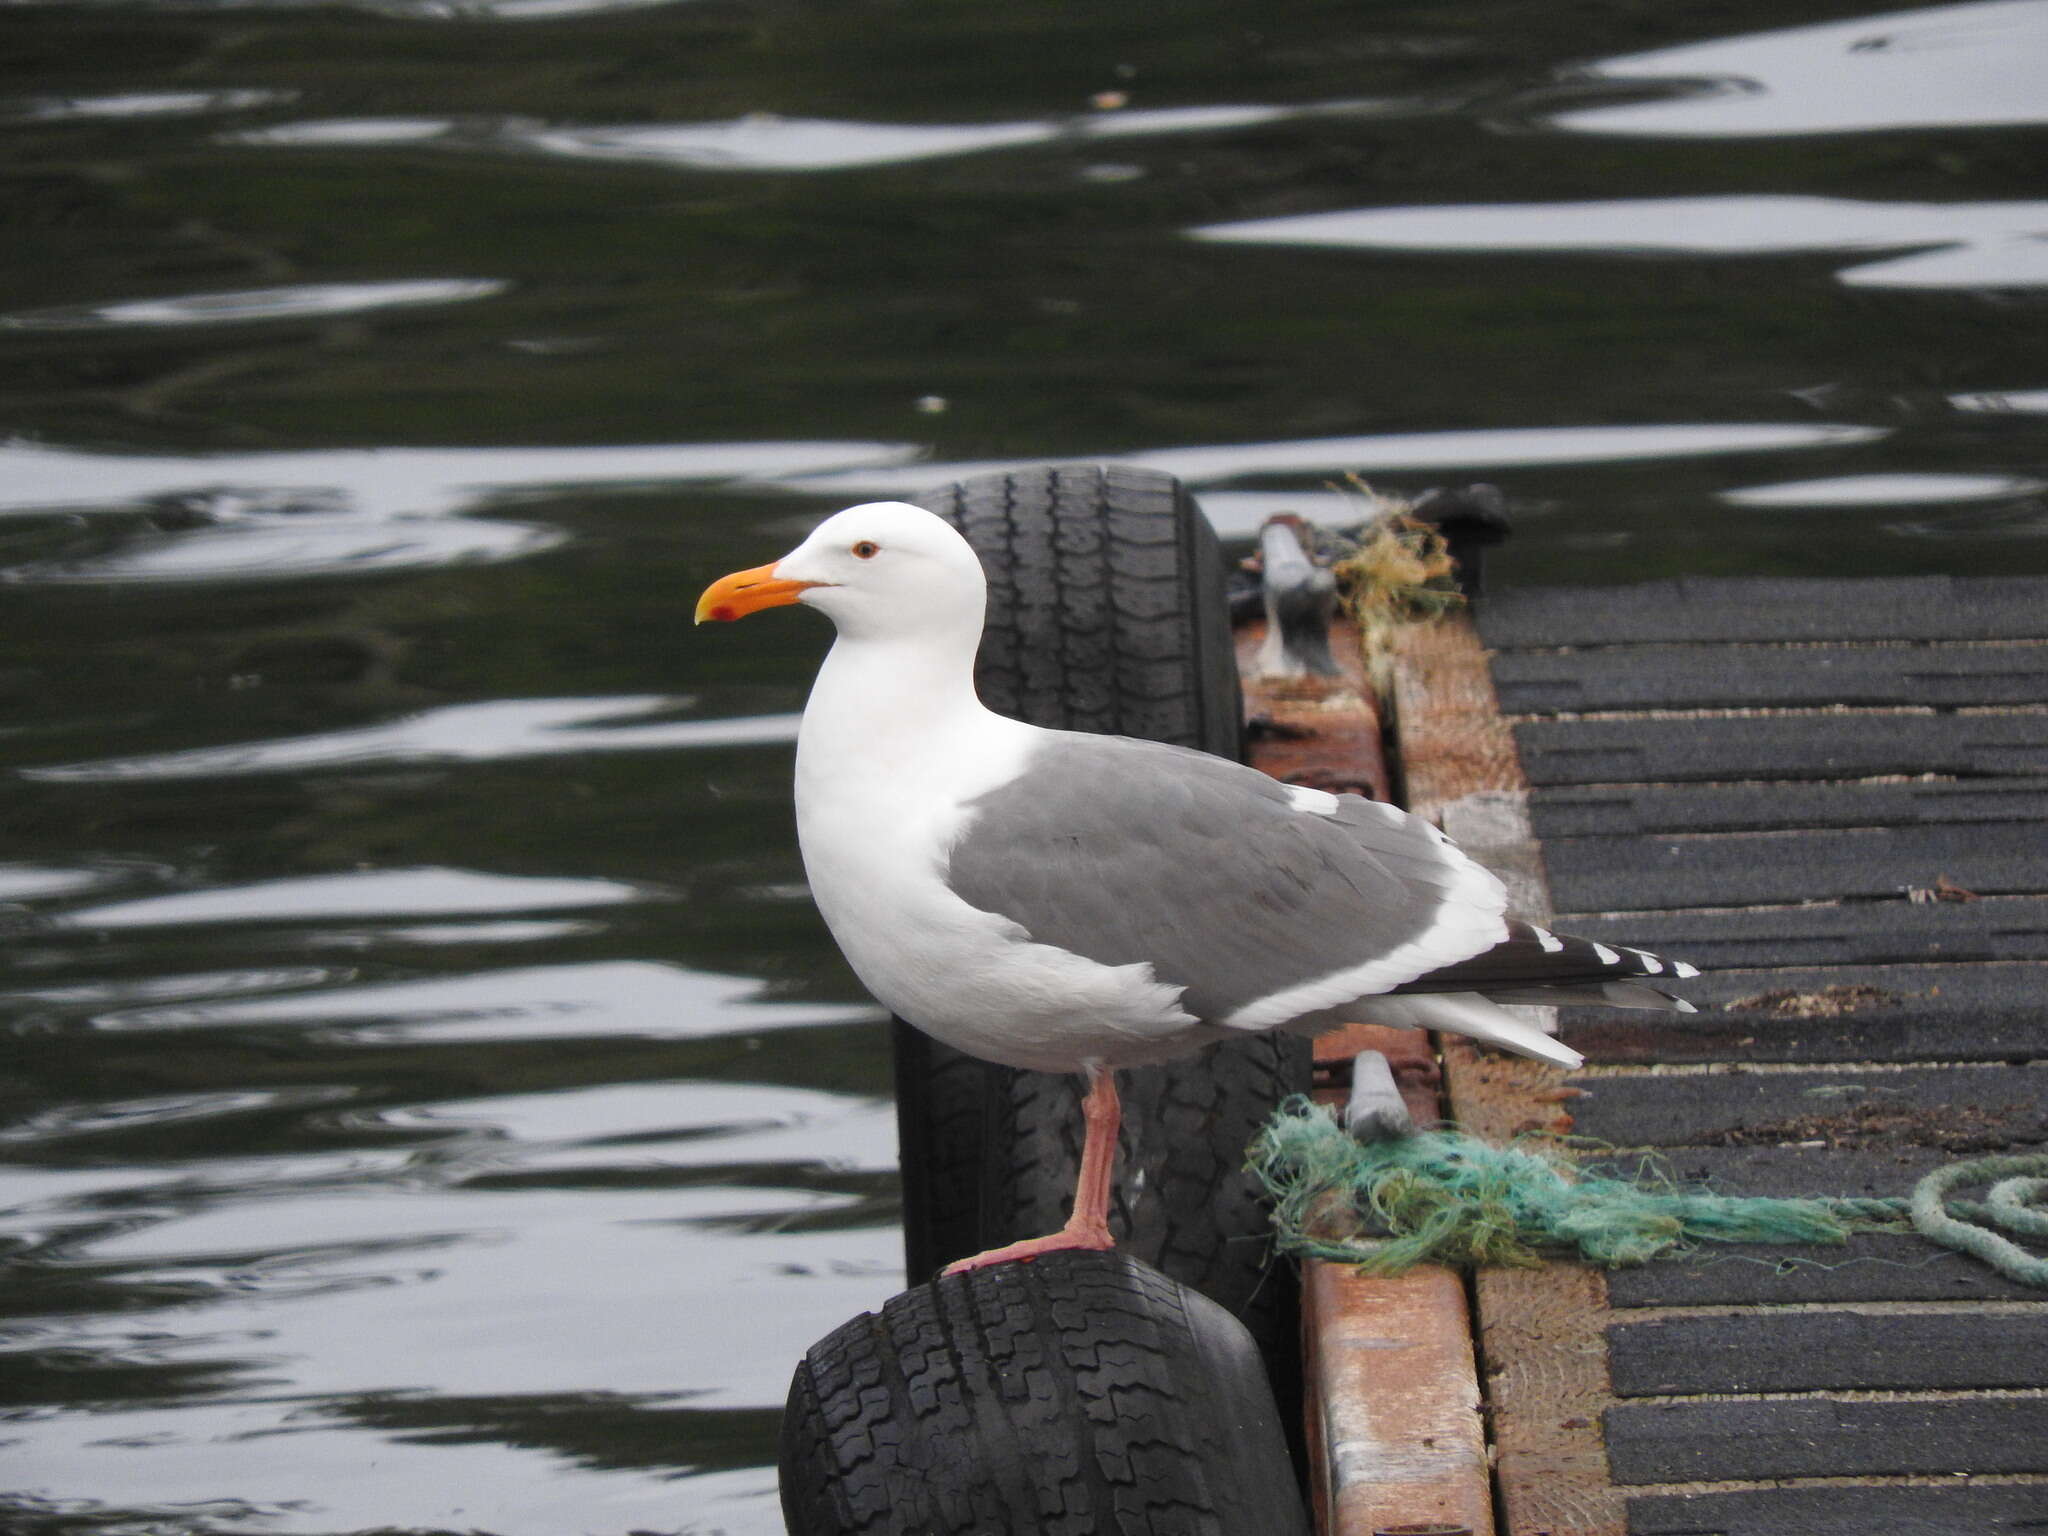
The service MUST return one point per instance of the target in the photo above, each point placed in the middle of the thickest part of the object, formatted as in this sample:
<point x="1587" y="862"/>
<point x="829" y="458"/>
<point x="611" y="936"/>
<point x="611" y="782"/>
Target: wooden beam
<point x="1542" y="1332"/>
<point x="1395" y="1433"/>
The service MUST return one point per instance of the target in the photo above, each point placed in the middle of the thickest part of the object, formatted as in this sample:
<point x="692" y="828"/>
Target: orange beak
<point x="744" y="592"/>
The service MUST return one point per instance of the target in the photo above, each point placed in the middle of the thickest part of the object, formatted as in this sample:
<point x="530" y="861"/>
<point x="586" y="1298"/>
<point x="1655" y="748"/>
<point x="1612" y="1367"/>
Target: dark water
<point x="429" y="1100"/>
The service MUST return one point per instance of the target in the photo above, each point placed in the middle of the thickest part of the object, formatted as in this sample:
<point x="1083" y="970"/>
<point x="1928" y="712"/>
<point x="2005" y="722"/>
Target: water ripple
<point x="298" y="301"/>
<point x="1998" y="244"/>
<point x="37" y="882"/>
<point x="648" y="1126"/>
<point x="500" y="730"/>
<point x="618" y="998"/>
<point x="322" y="547"/>
<point x="769" y="142"/>
<point x="1950" y="66"/>
<point x="1893" y="490"/>
<point x="2004" y="402"/>
<point x="151" y="990"/>
<point x="63" y="1121"/>
<point x="141" y="104"/>
<point x="391" y="482"/>
<point x="1331" y="457"/>
<point x="366" y="893"/>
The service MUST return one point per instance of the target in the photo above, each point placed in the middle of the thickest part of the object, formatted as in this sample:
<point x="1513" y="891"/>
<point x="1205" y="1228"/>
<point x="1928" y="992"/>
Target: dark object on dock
<point x="1471" y="518"/>
<point x="1082" y="1394"/>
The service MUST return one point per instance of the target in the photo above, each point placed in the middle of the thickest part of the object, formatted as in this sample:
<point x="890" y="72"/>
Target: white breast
<point x="876" y="829"/>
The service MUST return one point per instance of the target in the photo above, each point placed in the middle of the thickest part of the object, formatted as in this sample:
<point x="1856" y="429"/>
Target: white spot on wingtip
<point x="1680" y="969"/>
<point x="1683" y="1006"/>
<point x="1607" y="956"/>
<point x="1316" y="801"/>
<point x="1652" y="966"/>
<point x="1551" y="942"/>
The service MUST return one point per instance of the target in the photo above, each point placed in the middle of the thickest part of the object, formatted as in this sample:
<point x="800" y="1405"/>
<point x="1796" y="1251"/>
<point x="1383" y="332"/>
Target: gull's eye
<point x="866" y="549"/>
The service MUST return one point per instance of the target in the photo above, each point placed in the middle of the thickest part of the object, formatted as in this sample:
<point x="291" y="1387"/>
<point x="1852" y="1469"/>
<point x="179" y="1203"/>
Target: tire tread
<point x="1082" y="1395"/>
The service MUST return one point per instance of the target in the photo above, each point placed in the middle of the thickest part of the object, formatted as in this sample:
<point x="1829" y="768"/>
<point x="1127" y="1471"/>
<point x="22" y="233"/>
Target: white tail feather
<point x="1467" y="1013"/>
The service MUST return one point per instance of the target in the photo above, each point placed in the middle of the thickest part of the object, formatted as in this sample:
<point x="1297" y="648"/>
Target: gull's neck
<point x="892" y="718"/>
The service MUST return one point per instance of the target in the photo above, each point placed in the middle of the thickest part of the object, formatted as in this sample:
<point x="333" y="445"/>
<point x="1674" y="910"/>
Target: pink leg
<point x="1088" y="1227"/>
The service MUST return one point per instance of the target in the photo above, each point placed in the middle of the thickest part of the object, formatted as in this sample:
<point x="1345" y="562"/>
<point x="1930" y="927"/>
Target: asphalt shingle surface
<point x="1834" y="797"/>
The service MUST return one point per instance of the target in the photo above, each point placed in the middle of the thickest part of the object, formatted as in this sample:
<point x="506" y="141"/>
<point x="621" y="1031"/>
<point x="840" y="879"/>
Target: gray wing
<point x="1124" y="850"/>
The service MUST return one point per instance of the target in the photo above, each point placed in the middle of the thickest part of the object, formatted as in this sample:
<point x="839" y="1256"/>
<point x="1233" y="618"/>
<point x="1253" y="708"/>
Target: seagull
<point x="1068" y="902"/>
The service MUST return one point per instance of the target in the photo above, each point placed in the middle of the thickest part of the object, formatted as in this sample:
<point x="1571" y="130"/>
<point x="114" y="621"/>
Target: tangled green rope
<point x="1445" y="1197"/>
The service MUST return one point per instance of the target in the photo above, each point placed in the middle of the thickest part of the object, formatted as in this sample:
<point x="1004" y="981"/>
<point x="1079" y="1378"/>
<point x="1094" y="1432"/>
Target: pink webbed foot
<point x="1067" y="1239"/>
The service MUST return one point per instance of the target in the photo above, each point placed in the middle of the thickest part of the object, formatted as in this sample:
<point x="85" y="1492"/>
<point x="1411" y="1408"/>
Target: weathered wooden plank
<point x="1622" y="809"/>
<point x="1704" y="608"/>
<point x="1959" y="1108"/>
<point x="1817" y="746"/>
<point x="1391" y="1388"/>
<point x="1901" y="1013"/>
<point x="1616" y="874"/>
<point x="1395" y="1435"/>
<point x="1539" y="1329"/>
<point x="1802" y="1351"/>
<point x="1776" y="677"/>
<point x="1746" y="1439"/>
<point x="1860" y="933"/>
<point x="1893" y="1510"/>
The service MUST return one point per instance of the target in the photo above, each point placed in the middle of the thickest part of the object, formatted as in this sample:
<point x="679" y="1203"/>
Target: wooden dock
<point x="1833" y="795"/>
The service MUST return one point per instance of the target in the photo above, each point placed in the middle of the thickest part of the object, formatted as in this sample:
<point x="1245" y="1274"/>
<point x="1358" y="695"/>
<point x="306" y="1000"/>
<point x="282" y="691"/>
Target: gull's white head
<point x="884" y="568"/>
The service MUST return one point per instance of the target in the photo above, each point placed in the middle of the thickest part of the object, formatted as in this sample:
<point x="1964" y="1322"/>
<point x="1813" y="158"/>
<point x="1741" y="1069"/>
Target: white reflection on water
<point x="483" y="1274"/>
<point x="1951" y="66"/>
<point x="392" y="482"/>
<point x="693" y="1124"/>
<point x="35" y="882"/>
<point x="368" y="893"/>
<point x="493" y="10"/>
<point x="355" y="132"/>
<point x="106" y="1116"/>
<point x="765" y="141"/>
<point x="1493" y="448"/>
<point x="352" y="512"/>
<point x="300" y="547"/>
<point x="499" y="730"/>
<point x="418" y="1295"/>
<point x="130" y="992"/>
<point x="623" y="998"/>
<point x="451" y="933"/>
<point x="171" y="1464"/>
<point x="417" y="10"/>
<point x="2020" y="402"/>
<point x="1500" y="448"/>
<point x="1976" y="245"/>
<point x="146" y="104"/>
<point x="1885" y="491"/>
<point x="303" y="301"/>
<point x="330" y="1306"/>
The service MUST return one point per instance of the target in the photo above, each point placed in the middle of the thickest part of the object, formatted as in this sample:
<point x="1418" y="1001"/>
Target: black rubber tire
<point x="1083" y="1394"/>
<point x="1107" y="612"/>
